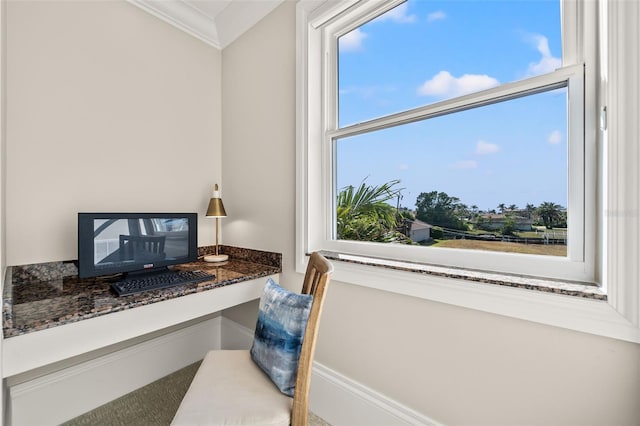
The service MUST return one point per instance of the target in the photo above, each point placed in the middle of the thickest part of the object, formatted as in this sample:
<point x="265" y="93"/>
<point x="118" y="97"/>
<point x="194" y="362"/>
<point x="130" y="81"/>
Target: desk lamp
<point x="216" y="210"/>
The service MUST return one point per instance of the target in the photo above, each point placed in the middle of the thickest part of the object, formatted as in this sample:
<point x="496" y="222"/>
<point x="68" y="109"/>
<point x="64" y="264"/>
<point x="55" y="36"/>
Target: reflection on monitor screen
<point x="139" y="240"/>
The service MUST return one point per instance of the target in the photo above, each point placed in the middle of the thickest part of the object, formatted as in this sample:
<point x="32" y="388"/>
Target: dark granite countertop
<point x="45" y="295"/>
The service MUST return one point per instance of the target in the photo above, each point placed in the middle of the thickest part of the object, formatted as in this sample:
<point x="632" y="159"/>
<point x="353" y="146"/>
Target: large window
<point x="536" y="121"/>
<point x="457" y="134"/>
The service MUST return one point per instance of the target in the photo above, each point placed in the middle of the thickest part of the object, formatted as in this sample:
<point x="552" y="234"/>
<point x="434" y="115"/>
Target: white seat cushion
<point x="230" y="389"/>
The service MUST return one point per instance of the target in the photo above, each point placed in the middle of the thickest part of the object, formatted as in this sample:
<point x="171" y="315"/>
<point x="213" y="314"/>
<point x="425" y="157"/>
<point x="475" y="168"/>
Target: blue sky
<point x="425" y="51"/>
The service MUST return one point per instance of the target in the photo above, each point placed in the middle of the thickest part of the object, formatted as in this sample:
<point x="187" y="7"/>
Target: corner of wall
<point x="3" y="157"/>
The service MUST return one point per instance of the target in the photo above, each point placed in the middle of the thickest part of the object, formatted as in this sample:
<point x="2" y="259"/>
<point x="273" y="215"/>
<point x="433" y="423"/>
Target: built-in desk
<point x="71" y="345"/>
<point x="50" y="315"/>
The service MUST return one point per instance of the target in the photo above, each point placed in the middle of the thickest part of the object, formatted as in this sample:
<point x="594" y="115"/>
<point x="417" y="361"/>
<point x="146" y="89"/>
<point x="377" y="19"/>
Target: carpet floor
<point x="151" y="405"/>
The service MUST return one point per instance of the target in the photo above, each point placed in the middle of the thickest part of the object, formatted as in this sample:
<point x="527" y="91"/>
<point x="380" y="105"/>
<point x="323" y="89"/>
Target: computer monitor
<point x="113" y="243"/>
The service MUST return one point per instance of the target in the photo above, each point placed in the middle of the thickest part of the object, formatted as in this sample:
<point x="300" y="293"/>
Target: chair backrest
<point x="315" y="282"/>
<point x="134" y="246"/>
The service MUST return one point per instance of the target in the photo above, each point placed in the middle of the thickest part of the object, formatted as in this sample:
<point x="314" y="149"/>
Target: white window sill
<point x="573" y="306"/>
<point x="589" y="291"/>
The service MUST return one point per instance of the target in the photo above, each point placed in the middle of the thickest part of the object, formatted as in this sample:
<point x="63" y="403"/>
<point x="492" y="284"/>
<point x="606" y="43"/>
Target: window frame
<point x="614" y="318"/>
<point x="579" y="264"/>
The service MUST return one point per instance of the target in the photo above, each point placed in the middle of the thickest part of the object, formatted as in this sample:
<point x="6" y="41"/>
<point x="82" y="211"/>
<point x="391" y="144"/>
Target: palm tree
<point x="502" y="207"/>
<point x="530" y="208"/>
<point x="364" y="214"/>
<point x="550" y="213"/>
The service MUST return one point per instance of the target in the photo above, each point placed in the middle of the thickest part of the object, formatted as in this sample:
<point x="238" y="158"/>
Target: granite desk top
<point x="45" y="295"/>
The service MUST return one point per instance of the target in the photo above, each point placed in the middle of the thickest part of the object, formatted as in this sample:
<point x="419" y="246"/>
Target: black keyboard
<point x="160" y="280"/>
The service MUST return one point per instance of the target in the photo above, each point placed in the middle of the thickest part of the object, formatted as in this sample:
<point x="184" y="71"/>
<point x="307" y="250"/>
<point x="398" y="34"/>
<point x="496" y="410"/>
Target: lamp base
<point x="216" y="258"/>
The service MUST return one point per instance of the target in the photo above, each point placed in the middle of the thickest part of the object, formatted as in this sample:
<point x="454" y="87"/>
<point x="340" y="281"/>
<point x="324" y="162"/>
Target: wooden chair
<point x="229" y="388"/>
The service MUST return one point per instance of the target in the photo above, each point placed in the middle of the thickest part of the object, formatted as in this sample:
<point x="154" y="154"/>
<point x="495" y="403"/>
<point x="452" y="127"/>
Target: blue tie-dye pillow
<point x="282" y="320"/>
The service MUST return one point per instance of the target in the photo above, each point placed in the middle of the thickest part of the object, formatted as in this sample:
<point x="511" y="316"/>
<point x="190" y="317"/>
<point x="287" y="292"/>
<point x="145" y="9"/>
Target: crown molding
<point x="218" y="31"/>
<point x="183" y="17"/>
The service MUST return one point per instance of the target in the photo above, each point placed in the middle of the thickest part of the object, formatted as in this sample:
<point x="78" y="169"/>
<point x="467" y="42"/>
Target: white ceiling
<point x="216" y="22"/>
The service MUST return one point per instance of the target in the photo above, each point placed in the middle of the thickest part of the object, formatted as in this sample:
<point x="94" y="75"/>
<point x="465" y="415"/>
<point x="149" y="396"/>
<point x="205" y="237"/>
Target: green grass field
<point x="547" y="250"/>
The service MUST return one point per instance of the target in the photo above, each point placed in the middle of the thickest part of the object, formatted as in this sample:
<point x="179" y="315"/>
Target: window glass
<point x="496" y="173"/>
<point x="422" y="52"/>
<point x="491" y="177"/>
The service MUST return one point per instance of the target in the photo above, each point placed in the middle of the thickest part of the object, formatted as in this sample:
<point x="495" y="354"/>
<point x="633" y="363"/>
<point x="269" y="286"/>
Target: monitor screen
<point x="111" y="243"/>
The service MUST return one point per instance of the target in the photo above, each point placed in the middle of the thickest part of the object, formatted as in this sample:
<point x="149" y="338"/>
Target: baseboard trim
<point x="70" y="392"/>
<point x="342" y="401"/>
<point x="334" y="397"/>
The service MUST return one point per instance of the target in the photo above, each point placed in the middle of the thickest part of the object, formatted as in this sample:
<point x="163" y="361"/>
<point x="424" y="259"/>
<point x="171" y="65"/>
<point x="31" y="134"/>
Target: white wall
<point x="3" y="158"/>
<point x="258" y="133"/>
<point x="454" y="365"/>
<point x="109" y="109"/>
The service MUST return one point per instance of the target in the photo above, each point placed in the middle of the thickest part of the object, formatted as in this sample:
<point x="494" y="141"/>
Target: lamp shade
<point x="216" y="208"/>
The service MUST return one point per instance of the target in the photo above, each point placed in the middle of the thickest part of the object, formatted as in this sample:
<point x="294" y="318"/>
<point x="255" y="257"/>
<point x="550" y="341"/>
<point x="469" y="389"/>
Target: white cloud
<point x="404" y="167"/>
<point x="547" y="62"/>
<point x="445" y="85"/>
<point x="436" y="16"/>
<point x="483" y="148"/>
<point x="398" y="14"/>
<point x="555" y="137"/>
<point x="352" y="41"/>
<point x="464" y="164"/>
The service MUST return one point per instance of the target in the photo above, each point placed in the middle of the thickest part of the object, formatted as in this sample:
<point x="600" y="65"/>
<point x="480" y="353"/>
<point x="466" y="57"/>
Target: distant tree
<point x="562" y="222"/>
<point x="474" y="213"/>
<point x="550" y="213"/>
<point x="405" y="213"/>
<point x="463" y="211"/>
<point x="513" y="207"/>
<point x="482" y="223"/>
<point x="502" y="207"/>
<point x="530" y="209"/>
<point x="509" y="225"/>
<point x="438" y="208"/>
